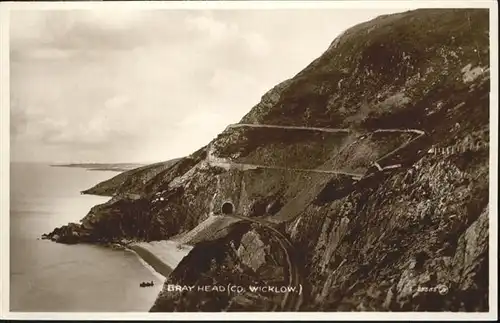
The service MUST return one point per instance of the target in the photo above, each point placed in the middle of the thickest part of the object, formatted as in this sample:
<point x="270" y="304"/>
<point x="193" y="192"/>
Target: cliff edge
<point x="366" y="191"/>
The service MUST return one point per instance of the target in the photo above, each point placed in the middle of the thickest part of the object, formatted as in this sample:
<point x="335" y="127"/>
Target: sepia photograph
<point x="311" y="158"/>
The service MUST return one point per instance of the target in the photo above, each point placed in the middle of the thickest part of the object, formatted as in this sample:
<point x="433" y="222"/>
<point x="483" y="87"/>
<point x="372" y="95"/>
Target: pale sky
<point x="143" y="86"/>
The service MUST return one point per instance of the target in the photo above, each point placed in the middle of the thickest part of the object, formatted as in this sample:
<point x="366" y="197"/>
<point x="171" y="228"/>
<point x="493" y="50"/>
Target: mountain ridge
<point x="414" y="221"/>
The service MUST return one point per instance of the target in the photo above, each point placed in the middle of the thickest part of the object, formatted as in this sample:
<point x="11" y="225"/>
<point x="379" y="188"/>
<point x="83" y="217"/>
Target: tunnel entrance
<point x="227" y="208"/>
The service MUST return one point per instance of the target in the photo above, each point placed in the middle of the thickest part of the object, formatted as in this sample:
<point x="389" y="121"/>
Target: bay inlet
<point x="50" y="277"/>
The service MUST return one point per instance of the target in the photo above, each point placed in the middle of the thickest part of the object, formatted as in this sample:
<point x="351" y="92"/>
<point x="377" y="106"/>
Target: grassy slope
<point x="399" y="71"/>
<point x="121" y="182"/>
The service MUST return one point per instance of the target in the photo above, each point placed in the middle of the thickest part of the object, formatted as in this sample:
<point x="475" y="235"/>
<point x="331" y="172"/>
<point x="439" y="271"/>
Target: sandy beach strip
<point x="163" y="256"/>
<point x="152" y="260"/>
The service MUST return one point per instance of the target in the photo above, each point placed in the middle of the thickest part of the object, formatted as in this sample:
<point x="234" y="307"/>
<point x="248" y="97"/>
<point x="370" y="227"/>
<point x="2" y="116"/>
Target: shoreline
<point x="151" y="260"/>
<point x="162" y="257"/>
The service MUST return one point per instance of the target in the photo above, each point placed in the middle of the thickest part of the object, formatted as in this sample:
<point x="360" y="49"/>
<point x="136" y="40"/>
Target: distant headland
<point x="118" y="167"/>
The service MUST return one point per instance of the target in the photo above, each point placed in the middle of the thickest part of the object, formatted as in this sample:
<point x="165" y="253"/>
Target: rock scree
<point x="410" y="233"/>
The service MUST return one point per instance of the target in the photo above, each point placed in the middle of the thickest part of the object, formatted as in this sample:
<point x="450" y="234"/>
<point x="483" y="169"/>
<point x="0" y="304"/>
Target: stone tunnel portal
<point x="227" y="208"/>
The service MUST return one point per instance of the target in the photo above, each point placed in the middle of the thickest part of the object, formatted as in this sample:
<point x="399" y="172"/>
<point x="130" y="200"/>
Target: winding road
<point x="255" y="125"/>
<point x="243" y="167"/>
<point x="228" y="164"/>
<point x="293" y="300"/>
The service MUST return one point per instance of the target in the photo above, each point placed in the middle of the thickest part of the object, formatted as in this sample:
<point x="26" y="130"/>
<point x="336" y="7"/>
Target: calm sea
<point x="49" y="277"/>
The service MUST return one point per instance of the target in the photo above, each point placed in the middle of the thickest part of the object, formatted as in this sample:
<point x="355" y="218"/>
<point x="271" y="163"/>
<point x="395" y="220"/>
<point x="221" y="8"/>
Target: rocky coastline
<point x="373" y="216"/>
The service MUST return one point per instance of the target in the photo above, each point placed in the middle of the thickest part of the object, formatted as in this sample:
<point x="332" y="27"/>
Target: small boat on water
<point x="146" y="284"/>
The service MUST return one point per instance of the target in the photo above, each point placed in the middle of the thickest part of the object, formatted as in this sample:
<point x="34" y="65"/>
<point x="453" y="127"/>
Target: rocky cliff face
<point x="390" y="212"/>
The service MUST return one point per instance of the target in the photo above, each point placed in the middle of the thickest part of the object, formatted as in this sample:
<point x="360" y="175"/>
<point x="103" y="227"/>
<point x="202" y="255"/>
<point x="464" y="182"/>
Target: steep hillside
<point x="130" y="181"/>
<point x="388" y="212"/>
